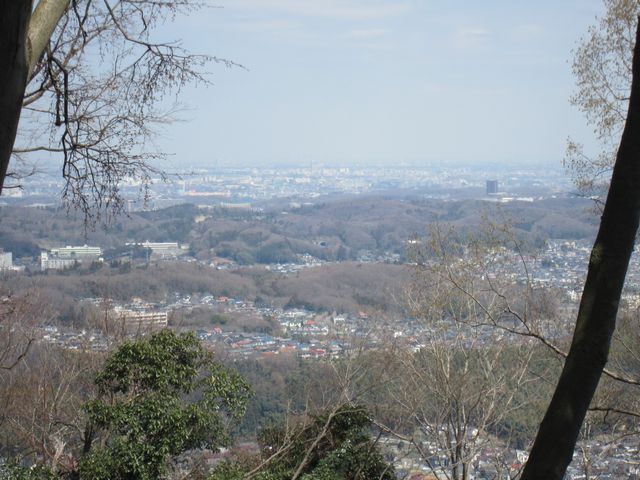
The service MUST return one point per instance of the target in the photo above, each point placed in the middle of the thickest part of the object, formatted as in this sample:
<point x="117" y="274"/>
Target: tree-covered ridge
<point x="339" y="228"/>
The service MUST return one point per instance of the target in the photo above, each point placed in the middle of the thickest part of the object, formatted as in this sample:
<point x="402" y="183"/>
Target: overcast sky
<point x="383" y="82"/>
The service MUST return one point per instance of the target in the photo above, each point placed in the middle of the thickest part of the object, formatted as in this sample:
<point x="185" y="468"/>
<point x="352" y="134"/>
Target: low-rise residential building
<point x="6" y="260"/>
<point x="143" y="320"/>
<point x="54" y="263"/>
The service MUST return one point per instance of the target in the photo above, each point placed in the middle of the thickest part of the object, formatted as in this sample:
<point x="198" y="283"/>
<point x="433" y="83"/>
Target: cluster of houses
<point x="296" y="331"/>
<point x="604" y="458"/>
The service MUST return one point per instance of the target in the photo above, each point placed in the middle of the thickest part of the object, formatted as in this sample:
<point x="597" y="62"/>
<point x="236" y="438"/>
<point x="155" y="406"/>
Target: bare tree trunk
<point x="43" y="22"/>
<point x="14" y="71"/>
<point x="23" y="39"/>
<point x="554" y="445"/>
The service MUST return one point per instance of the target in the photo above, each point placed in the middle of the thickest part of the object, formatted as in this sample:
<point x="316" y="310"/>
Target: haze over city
<point x="353" y="82"/>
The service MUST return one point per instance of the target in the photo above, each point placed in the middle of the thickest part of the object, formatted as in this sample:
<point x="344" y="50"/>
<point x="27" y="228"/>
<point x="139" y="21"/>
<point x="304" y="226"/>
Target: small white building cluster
<point x="6" y="262"/>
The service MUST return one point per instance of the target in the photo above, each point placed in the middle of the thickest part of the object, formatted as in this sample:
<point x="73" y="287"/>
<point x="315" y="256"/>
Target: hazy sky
<point x="383" y="82"/>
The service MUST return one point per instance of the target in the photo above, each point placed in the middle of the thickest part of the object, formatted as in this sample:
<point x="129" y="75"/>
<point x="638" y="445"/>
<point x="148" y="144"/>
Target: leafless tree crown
<point x="98" y="93"/>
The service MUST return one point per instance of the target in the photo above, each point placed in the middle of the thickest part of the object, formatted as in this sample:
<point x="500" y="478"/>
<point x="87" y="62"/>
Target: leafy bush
<point x="159" y="397"/>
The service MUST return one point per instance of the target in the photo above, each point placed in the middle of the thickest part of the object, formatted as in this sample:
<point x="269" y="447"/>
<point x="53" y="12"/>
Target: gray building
<point x="492" y="187"/>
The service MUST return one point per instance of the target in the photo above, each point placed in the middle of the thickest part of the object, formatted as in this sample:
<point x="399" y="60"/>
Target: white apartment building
<point x="66" y="257"/>
<point x="55" y="263"/>
<point x="83" y="251"/>
<point x="164" y="249"/>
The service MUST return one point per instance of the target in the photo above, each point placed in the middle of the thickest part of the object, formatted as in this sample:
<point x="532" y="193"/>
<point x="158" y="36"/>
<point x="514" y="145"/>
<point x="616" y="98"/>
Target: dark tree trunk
<point x="553" y="448"/>
<point x="14" y="21"/>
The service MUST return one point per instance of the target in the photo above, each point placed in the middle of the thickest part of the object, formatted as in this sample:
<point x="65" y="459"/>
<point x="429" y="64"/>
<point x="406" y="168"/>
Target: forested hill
<point x="330" y="229"/>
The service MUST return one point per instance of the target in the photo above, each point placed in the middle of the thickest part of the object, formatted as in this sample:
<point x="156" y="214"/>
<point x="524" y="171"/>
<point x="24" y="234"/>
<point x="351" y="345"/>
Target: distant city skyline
<point x="381" y="83"/>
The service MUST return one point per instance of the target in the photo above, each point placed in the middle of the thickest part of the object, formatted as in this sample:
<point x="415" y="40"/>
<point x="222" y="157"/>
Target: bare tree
<point x="89" y="77"/>
<point x="602" y="69"/>
<point x="42" y="386"/>
<point x="462" y="391"/>
<point x="553" y="449"/>
<point x="492" y="270"/>
<point x="45" y="423"/>
<point x="18" y="316"/>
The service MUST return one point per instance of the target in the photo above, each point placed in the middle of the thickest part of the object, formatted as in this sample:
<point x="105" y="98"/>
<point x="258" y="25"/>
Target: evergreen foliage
<point x="13" y="471"/>
<point x="334" y="445"/>
<point x="159" y="397"/>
